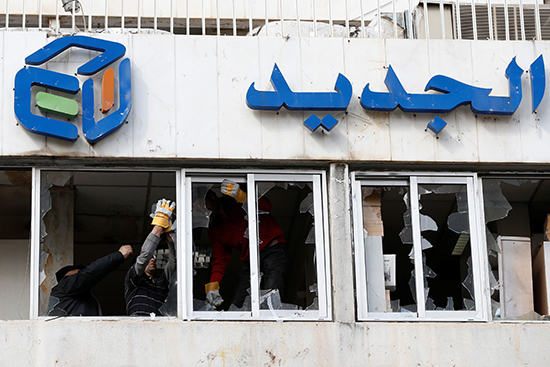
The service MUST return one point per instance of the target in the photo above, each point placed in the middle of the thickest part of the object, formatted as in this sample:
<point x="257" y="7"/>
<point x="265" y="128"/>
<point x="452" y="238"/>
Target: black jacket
<point x="72" y="296"/>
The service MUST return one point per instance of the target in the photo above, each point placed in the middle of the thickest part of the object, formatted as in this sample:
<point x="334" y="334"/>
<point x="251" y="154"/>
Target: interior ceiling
<point x="111" y="194"/>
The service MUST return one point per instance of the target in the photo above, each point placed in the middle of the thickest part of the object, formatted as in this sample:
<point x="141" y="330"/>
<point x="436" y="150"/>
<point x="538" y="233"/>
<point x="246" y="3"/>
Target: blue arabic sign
<point x="284" y="96"/>
<point x="30" y="76"/>
<point x="452" y="94"/>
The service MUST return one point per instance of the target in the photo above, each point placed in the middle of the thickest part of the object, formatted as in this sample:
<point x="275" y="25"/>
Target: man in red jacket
<point x="229" y="230"/>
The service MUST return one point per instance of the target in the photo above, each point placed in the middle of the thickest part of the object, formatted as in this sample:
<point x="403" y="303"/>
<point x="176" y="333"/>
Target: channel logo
<point x="64" y="107"/>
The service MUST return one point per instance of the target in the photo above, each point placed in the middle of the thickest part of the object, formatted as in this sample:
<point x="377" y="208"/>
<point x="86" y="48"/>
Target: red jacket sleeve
<point x="221" y="256"/>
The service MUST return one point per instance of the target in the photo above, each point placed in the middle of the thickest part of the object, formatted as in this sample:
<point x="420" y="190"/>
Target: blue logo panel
<point x="24" y="80"/>
<point x="31" y="76"/>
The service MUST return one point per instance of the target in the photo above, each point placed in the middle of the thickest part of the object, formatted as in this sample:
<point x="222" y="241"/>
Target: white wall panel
<point x="410" y="62"/>
<point x="534" y="131"/>
<point x="322" y="61"/>
<point x="189" y="100"/>
<point x="368" y="132"/>
<point x="240" y="133"/>
<point x="282" y="131"/>
<point x="154" y="90"/>
<point x="457" y="142"/>
<point x="197" y="105"/>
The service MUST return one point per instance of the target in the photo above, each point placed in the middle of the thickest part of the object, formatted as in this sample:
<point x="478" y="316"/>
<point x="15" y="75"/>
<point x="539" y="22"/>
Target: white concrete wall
<point x="135" y="343"/>
<point x="14" y="283"/>
<point x="189" y="100"/>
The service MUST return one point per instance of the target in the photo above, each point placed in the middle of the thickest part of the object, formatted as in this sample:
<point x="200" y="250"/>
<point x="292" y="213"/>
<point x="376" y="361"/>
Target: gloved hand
<point x="213" y="294"/>
<point x="232" y="189"/>
<point x="162" y="213"/>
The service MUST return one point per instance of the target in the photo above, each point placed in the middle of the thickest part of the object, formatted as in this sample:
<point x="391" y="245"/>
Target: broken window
<point x="414" y="243"/>
<point x="86" y="215"/>
<point x="266" y="253"/>
<point x="15" y="224"/>
<point x="517" y="230"/>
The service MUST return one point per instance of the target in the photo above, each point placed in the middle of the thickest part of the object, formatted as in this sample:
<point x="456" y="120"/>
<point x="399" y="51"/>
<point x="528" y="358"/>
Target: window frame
<point x="477" y="243"/>
<point x="318" y="180"/>
<point x="34" y="273"/>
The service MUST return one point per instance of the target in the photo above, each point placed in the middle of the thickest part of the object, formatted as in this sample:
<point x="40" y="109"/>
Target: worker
<point x="228" y="230"/>
<point x="146" y="291"/>
<point x="72" y="295"/>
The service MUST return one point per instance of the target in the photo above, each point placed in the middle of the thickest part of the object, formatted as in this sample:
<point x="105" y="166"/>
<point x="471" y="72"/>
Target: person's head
<point x="151" y="267"/>
<point x="67" y="271"/>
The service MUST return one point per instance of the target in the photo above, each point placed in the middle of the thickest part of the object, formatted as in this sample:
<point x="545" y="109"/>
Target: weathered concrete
<point x="59" y="243"/>
<point x="340" y="244"/>
<point x="141" y="343"/>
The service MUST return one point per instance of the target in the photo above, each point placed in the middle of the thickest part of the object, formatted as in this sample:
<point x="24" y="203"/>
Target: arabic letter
<point x="538" y="81"/>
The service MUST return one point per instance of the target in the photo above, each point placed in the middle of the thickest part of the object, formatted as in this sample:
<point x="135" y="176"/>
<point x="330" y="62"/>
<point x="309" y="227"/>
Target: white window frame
<point x="318" y="180"/>
<point x="477" y="243"/>
<point x="34" y="272"/>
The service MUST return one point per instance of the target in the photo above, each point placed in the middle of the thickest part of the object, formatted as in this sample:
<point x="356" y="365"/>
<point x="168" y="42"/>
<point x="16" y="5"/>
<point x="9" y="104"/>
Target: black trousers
<point x="274" y="264"/>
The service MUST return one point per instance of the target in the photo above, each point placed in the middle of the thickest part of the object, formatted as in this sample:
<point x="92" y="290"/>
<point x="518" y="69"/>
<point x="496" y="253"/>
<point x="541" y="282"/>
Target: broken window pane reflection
<point x="87" y="215"/>
<point x="286" y="243"/>
<point x="388" y="242"/>
<point x="287" y="262"/>
<point x="446" y="262"/>
<point x="517" y="209"/>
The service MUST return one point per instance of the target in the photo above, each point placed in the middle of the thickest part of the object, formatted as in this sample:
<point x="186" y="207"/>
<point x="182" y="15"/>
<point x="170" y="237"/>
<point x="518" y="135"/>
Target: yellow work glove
<point x="213" y="294"/>
<point x="162" y="213"/>
<point x="232" y="189"/>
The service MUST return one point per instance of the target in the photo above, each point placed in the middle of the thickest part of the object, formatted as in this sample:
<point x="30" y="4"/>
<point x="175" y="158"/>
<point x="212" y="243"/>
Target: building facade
<point x="380" y="135"/>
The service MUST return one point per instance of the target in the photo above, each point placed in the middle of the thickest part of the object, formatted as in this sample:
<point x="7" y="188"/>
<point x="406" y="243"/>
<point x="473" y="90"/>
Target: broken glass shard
<point x="496" y="204"/>
<point x="307" y="204"/>
<point x="459" y="222"/>
<point x="201" y="215"/>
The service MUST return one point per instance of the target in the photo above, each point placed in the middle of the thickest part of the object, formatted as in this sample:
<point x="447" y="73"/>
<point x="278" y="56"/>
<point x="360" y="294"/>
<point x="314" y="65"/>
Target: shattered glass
<point x="385" y="286"/>
<point x="446" y="204"/>
<point x="293" y="210"/>
<point x="310" y="239"/>
<point x="306" y="206"/>
<point x="497" y="207"/>
<point x="426" y="224"/>
<point x="469" y="304"/>
<point x="170" y="306"/>
<point x="200" y="305"/>
<point x="468" y="282"/>
<point x="495" y="203"/>
<point x="263" y="187"/>
<point x="459" y="222"/>
<point x="201" y="215"/>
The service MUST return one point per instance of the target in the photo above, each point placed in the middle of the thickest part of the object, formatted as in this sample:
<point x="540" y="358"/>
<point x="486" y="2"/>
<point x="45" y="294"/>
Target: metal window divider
<point x="184" y="251"/>
<point x="34" y="270"/>
<point x="320" y="248"/>
<point x="253" y="246"/>
<point x="417" y="247"/>
<point x="474" y="245"/>
<point x="484" y="302"/>
<point x="359" y="247"/>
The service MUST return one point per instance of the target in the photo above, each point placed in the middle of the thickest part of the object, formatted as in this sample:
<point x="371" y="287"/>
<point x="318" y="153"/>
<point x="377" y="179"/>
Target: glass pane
<point x="15" y="224"/>
<point x="446" y="250"/>
<point x="287" y="258"/>
<point x="516" y="213"/>
<point x="221" y="253"/>
<point x="388" y="243"/>
<point x="87" y="219"/>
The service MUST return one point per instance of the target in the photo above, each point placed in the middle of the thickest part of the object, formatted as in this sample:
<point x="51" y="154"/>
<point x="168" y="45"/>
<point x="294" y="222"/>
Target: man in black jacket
<point x="71" y="296"/>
